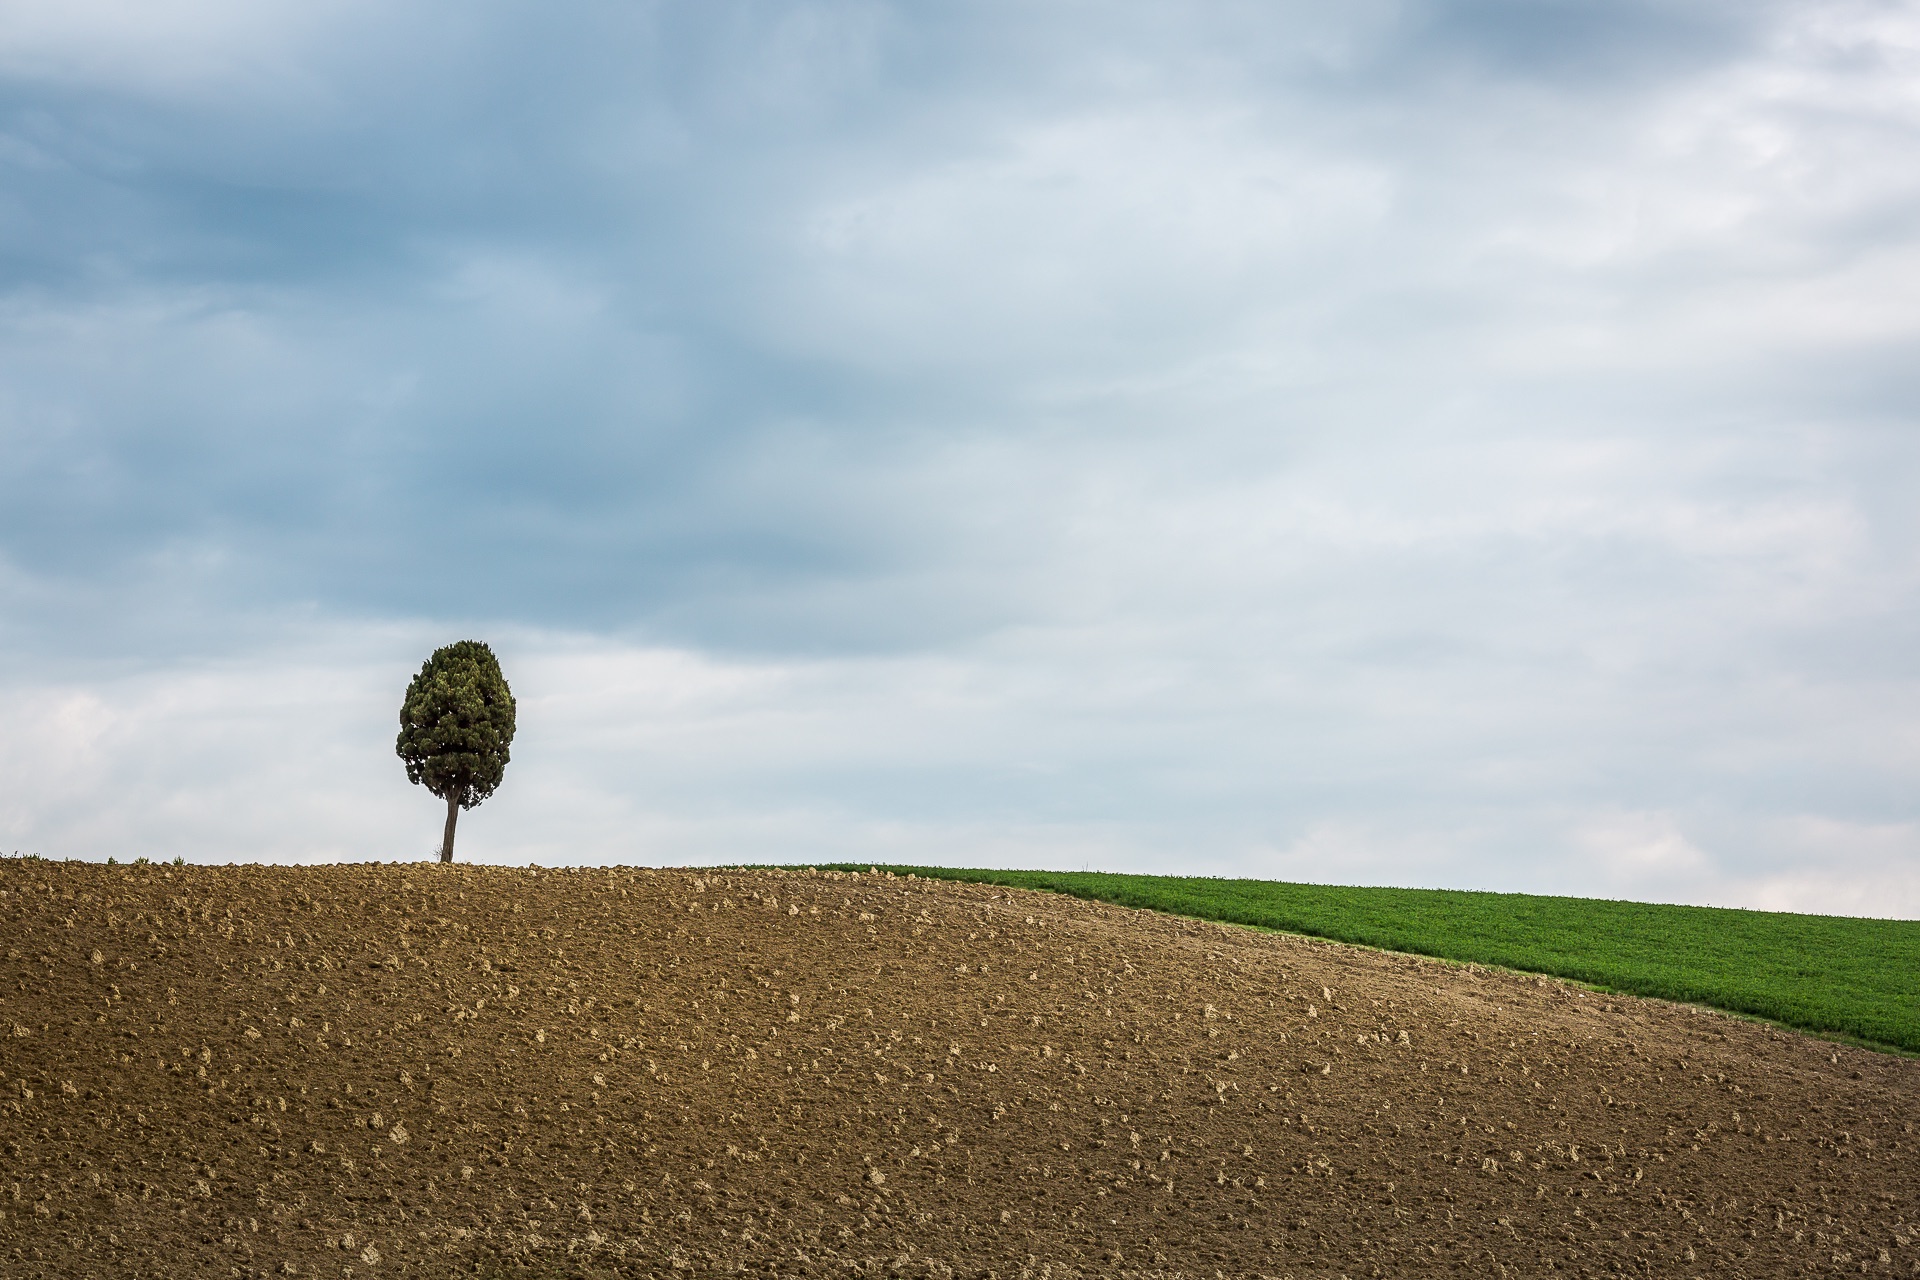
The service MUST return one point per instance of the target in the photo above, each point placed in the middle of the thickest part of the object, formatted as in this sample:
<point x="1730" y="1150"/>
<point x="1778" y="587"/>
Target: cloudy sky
<point x="1446" y="444"/>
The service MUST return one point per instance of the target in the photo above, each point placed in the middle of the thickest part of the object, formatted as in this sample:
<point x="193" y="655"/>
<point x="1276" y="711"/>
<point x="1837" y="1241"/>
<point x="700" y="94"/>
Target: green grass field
<point x="1831" y="974"/>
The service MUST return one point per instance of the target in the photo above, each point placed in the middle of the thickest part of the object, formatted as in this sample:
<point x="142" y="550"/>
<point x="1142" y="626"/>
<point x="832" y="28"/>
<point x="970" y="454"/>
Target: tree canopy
<point x="456" y="725"/>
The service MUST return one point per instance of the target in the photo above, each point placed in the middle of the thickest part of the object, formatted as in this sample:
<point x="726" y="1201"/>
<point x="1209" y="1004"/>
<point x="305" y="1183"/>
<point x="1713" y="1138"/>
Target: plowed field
<point x="368" y="1071"/>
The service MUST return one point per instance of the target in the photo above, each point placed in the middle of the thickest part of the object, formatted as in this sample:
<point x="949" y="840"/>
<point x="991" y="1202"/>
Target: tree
<point x="455" y="726"/>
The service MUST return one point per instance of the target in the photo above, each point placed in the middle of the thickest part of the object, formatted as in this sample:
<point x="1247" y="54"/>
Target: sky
<point x="1463" y="445"/>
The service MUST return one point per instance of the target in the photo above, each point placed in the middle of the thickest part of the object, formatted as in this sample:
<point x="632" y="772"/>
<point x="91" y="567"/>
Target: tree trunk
<point x="453" y="816"/>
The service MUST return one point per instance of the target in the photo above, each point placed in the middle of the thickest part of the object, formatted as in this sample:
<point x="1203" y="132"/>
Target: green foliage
<point x="456" y="724"/>
<point x="1830" y="974"/>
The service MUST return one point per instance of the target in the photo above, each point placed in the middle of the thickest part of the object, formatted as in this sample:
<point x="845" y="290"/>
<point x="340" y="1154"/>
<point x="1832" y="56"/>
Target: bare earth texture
<point x="366" y="1071"/>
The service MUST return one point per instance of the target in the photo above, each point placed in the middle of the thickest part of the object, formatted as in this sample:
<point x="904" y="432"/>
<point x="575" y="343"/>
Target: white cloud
<point x="1641" y="849"/>
<point x="181" y="50"/>
<point x="1042" y="750"/>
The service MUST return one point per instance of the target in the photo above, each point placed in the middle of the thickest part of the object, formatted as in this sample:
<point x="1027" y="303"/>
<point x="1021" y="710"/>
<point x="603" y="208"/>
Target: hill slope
<point x="1834" y="974"/>
<point x="425" y="1070"/>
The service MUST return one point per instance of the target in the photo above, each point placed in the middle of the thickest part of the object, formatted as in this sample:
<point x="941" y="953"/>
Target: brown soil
<point x="365" y="1071"/>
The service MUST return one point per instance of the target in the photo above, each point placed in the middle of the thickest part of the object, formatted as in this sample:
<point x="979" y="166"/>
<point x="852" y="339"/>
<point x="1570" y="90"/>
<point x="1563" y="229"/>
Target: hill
<point x="424" y="1070"/>
<point x="1837" y="975"/>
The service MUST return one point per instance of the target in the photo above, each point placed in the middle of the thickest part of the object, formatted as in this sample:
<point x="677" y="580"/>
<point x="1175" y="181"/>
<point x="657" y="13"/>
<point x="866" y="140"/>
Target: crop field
<point x="1830" y="974"/>
<point x="426" y="1070"/>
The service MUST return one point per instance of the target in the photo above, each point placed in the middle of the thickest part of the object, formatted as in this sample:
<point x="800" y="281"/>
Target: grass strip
<point x="1835" y="975"/>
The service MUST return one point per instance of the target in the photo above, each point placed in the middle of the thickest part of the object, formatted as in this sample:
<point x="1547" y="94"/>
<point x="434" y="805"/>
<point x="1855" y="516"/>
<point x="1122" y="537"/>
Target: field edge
<point x="1061" y="883"/>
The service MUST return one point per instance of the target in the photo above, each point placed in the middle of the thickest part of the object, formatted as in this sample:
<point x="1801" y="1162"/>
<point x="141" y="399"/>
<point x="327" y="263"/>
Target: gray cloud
<point x="1461" y="443"/>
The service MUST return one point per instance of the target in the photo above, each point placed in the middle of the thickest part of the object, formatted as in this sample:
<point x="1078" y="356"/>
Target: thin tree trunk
<point x="453" y="816"/>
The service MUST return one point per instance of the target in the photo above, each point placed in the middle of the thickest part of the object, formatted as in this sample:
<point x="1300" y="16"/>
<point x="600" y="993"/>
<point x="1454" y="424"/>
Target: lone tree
<point x="455" y="727"/>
